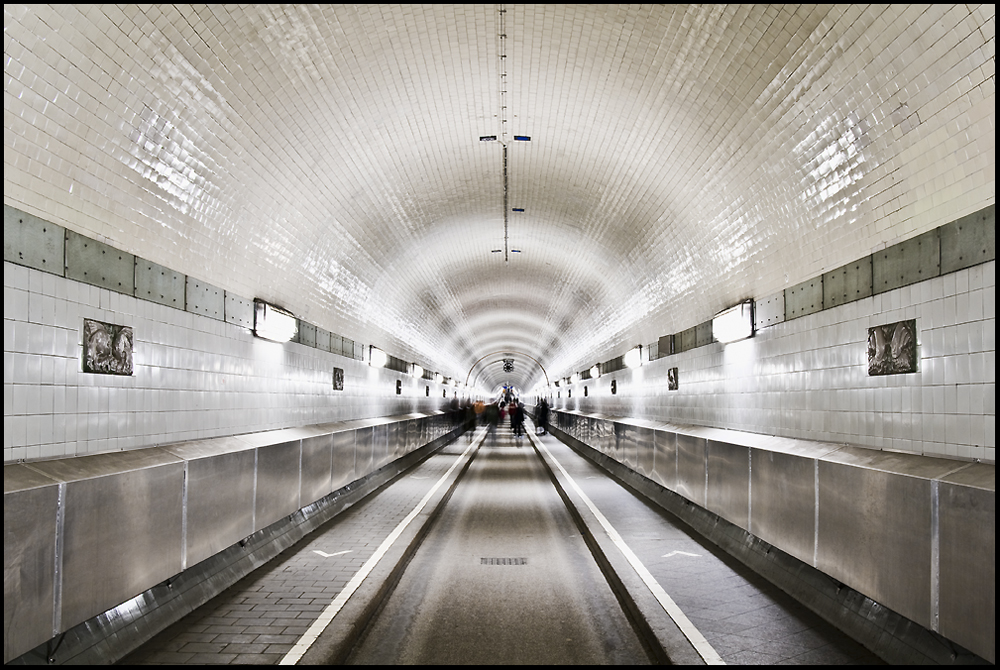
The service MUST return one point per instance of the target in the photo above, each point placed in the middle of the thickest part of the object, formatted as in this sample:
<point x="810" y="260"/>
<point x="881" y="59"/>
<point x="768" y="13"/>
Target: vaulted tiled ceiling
<point x="328" y="158"/>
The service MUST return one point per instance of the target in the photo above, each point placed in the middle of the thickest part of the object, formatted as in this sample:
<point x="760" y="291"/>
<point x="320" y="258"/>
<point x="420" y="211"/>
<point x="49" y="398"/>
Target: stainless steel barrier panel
<point x="30" y="506"/>
<point x="344" y="456"/>
<point x="278" y="475"/>
<point x="317" y="465"/>
<point x="364" y="451"/>
<point x="381" y="453"/>
<point x="644" y="451"/>
<point x="665" y="458"/>
<point x="691" y="465"/>
<point x="967" y="540"/>
<point x="727" y="487"/>
<point x="218" y="508"/>
<point x="121" y="529"/>
<point x="783" y="489"/>
<point x="874" y="529"/>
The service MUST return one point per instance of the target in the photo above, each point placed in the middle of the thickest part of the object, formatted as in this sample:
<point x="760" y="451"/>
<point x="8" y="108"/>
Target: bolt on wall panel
<point x="686" y="339"/>
<point x="848" y="283"/>
<point x="770" y="310"/>
<point x="159" y="284"/>
<point x="205" y="299"/>
<point x="31" y="241"/>
<point x="969" y="241"/>
<point x="96" y="263"/>
<point x="907" y="263"/>
<point x="239" y="311"/>
<point x="805" y="298"/>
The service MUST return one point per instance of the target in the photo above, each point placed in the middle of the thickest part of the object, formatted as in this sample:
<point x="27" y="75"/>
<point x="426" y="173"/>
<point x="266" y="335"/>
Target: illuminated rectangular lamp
<point x="733" y="324"/>
<point x="273" y="323"/>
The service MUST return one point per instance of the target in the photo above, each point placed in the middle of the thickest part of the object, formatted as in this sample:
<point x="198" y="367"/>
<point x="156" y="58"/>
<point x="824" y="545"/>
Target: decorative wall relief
<point x="672" y="379"/>
<point x="107" y="349"/>
<point x="338" y="379"/>
<point x="892" y="348"/>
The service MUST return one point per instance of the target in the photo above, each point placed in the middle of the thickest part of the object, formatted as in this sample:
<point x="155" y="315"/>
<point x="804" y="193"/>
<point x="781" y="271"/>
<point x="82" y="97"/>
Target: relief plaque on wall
<point x="672" y="379"/>
<point x="338" y="379"/>
<point x="107" y="348"/>
<point x="892" y="348"/>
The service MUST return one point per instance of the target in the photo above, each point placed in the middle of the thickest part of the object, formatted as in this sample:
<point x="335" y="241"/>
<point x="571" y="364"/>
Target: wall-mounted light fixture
<point x="417" y="371"/>
<point x="377" y="358"/>
<point x="595" y="371"/>
<point x="273" y="323"/>
<point x="735" y="323"/>
<point x="633" y="357"/>
<point x="575" y="378"/>
<point x="439" y="378"/>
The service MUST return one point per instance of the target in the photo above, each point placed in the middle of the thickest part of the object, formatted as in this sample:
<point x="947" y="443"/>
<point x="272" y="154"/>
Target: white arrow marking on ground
<point x="326" y="555"/>
<point x="682" y="553"/>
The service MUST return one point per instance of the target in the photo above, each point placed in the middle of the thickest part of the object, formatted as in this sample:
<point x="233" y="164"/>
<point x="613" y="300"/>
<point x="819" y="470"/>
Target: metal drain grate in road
<point x="503" y="561"/>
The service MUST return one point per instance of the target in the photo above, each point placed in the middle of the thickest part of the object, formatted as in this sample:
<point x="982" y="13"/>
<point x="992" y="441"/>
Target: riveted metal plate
<point x="770" y="310"/>
<point x="703" y="334"/>
<point x="969" y="241"/>
<point x="307" y="334"/>
<point x="159" y="284"/>
<point x="239" y="311"/>
<point x="805" y="298"/>
<point x="665" y="346"/>
<point x="686" y="339"/>
<point x="906" y="263"/>
<point x="96" y="263"/>
<point x="205" y="299"/>
<point x="322" y="339"/>
<point x="31" y="241"/>
<point x="848" y="283"/>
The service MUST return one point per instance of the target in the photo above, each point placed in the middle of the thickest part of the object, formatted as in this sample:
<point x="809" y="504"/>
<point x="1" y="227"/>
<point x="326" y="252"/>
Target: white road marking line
<point x="680" y="553"/>
<point x="326" y="616"/>
<point x="694" y="636"/>
<point x="326" y="555"/>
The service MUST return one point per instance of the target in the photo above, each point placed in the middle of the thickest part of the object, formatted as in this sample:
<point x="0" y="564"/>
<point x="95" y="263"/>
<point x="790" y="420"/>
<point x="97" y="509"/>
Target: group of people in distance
<point x="495" y="413"/>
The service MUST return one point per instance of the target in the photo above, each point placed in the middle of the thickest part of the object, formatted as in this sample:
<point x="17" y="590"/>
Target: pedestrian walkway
<point x="743" y="617"/>
<point x="261" y="617"/>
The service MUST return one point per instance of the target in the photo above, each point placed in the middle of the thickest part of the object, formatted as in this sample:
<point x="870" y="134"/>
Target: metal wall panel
<point x="967" y="565"/>
<point x="783" y="501"/>
<point x="220" y="496"/>
<point x="159" y="284"/>
<point x="665" y="459"/>
<point x="307" y="334"/>
<point x="969" y="241"/>
<point x="96" y="263"/>
<point x="278" y="468"/>
<point x="34" y="242"/>
<point x="205" y="299"/>
<point x="728" y="483"/>
<point x="906" y="263"/>
<point x="848" y="283"/>
<point x="770" y="310"/>
<point x="317" y="463"/>
<point x="122" y="535"/>
<point x="703" y="334"/>
<point x="805" y="298"/>
<point x="866" y="536"/>
<point x="644" y="451"/>
<point x="691" y="468"/>
<point x="30" y="507"/>
<point x="322" y="339"/>
<point x="239" y="311"/>
<point x="343" y="471"/>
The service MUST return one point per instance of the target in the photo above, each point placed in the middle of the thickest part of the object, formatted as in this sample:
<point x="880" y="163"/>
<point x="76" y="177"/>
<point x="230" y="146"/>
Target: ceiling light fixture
<point x="734" y="323"/>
